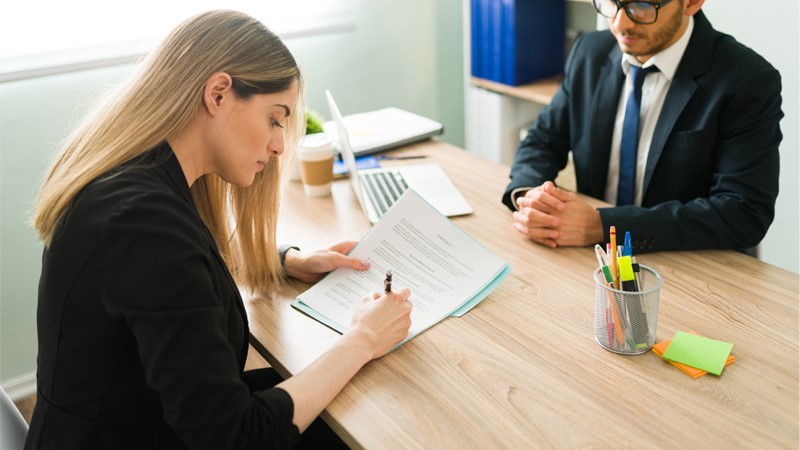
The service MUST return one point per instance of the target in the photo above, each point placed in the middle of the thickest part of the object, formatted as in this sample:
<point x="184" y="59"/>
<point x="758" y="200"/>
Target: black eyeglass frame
<point x="624" y="6"/>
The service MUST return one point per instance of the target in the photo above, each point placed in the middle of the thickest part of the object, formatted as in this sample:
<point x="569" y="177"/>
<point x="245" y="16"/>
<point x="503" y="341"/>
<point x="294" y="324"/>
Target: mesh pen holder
<point x="625" y="321"/>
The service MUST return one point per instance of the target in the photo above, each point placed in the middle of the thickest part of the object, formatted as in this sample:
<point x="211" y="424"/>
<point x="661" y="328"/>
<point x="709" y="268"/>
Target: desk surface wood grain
<point x="522" y="369"/>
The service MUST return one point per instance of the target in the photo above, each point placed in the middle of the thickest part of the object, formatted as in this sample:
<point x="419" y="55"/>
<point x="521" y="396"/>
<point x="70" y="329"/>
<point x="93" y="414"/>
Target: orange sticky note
<point x="693" y="372"/>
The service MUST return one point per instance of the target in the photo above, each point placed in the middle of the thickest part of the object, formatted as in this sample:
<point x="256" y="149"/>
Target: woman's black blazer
<point x="142" y="331"/>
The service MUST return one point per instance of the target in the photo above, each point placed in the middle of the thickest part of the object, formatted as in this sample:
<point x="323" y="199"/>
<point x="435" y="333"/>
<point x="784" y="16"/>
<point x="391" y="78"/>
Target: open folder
<point x="447" y="271"/>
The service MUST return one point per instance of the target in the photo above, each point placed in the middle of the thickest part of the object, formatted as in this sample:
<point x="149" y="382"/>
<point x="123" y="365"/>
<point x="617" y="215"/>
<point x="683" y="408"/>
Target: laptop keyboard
<point x="383" y="189"/>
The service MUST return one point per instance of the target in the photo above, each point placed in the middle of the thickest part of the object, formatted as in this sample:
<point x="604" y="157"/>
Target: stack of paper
<point x="447" y="271"/>
<point x="695" y="355"/>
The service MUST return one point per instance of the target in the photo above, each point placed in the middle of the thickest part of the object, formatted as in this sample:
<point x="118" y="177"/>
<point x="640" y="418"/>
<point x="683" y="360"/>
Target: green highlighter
<point x="607" y="275"/>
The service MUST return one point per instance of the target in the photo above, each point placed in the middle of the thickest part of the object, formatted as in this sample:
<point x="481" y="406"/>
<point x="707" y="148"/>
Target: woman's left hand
<point x="309" y="267"/>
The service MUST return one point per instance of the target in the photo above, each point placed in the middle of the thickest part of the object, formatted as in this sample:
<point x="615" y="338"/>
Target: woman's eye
<point x="275" y="123"/>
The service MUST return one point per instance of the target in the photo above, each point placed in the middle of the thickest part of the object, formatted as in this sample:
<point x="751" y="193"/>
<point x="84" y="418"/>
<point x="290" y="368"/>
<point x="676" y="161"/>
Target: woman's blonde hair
<point x="160" y="101"/>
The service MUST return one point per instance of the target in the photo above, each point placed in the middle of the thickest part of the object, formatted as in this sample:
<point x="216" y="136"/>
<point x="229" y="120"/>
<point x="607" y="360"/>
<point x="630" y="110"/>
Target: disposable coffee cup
<point x="316" y="164"/>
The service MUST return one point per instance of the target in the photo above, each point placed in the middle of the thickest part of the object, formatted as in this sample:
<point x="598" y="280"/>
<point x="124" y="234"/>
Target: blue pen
<point x="626" y="245"/>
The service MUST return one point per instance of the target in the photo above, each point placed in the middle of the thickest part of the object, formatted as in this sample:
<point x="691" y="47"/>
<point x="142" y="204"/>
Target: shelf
<point x="541" y="91"/>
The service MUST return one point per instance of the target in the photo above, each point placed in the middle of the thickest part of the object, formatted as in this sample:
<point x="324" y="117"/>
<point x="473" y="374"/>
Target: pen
<point x="613" y="256"/>
<point x="388" y="158"/>
<point x="626" y="245"/>
<point x="387" y="283"/>
<point x="609" y="329"/>
<point x="615" y="312"/>
<point x="601" y="255"/>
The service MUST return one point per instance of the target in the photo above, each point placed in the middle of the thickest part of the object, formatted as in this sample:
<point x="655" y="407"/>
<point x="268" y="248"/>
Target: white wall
<point x="406" y="53"/>
<point x="402" y="53"/>
<point x="773" y="30"/>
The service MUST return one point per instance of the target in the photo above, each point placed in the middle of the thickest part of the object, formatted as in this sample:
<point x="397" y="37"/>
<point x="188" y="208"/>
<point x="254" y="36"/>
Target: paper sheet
<point x="699" y="352"/>
<point x="445" y="268"/>
<point x="660" y="347"/>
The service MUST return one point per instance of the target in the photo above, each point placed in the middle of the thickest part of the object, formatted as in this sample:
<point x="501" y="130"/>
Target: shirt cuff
<point x="518" y="192"/>
<point x="279" y="411"/>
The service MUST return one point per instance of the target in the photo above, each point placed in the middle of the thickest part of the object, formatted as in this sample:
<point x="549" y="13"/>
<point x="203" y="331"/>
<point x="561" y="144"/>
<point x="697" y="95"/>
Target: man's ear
<point x="693" y="6"/>
<point x="218" y="90"/>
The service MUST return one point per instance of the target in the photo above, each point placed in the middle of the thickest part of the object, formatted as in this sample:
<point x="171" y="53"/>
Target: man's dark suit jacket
<point x="711" y="177"/>
<point x="142" y="331"/>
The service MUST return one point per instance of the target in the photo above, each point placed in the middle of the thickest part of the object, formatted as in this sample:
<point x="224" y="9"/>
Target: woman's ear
<point x="217" y="92"/>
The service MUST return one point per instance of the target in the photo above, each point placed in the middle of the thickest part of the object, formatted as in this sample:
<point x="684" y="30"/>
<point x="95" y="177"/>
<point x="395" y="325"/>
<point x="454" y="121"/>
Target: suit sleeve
<point x="740" y="205"/>
<point x="545" y="150"/>
<point x="158" y="279"/>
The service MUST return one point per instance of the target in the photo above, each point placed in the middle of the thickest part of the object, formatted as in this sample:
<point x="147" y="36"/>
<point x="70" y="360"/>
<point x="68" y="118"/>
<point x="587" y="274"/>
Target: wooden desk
<point x="522" y="369"/>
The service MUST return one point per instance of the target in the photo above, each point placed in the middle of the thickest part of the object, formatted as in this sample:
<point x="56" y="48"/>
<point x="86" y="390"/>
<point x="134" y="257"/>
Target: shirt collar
<point x="666" y="60"/>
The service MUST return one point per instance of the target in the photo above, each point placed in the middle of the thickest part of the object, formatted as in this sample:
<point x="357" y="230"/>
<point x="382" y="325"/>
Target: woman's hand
<point x="380" y="322"/>
<point x="309" y="267"/>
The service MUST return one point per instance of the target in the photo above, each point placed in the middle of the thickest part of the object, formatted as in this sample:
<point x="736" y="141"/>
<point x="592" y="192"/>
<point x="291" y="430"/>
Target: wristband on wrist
<point x="282" y="250"/>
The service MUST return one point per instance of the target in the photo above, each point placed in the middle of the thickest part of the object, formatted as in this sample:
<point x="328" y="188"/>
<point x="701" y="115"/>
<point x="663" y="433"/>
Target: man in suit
<point x="699" y="170"/>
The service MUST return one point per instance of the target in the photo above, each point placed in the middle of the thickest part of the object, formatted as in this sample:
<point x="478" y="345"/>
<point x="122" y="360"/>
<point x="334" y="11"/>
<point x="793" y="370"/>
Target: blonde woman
<point x="158" y="205"/>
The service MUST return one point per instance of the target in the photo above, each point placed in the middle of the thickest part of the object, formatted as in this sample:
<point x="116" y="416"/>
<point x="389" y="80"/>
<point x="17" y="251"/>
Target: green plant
<point x="313" y="122"/>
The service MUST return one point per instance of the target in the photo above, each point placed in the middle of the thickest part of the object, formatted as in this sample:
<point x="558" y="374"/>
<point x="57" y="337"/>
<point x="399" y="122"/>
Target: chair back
<point x="13" y="427"/>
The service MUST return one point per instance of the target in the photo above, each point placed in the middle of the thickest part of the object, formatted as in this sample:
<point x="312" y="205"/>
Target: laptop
<point x="375" y="131"/>
<point x="378" y="189"/>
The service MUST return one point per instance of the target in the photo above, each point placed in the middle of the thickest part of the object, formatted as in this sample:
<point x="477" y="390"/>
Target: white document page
<point x="443" y="266"/>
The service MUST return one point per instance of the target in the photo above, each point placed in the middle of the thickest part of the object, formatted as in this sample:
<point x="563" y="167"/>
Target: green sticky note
<point x="700" y="352"/>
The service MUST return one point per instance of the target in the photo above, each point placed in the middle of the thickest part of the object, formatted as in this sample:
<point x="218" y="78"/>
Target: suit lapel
<point x="606" y="99"/>
<point x="696" y="60"/>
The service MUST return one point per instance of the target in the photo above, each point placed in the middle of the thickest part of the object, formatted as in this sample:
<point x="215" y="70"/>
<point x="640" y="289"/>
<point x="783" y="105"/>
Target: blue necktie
<point x="630" y="137"/>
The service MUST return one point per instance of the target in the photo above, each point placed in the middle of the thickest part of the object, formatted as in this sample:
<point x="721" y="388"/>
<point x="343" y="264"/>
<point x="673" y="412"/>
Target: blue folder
<point x="517" y="41"/>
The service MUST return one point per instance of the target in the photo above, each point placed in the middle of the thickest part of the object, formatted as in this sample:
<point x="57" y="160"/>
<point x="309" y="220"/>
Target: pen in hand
<point x="387" y="283"/>
<point x="399" y="157"/>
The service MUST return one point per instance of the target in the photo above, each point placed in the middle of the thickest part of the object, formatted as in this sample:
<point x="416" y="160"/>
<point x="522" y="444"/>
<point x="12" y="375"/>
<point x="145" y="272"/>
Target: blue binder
<point x="517" y="41"/>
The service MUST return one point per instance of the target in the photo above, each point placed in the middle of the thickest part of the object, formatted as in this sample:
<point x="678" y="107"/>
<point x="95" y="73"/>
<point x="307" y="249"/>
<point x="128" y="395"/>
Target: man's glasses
<point x="640" y="12"/>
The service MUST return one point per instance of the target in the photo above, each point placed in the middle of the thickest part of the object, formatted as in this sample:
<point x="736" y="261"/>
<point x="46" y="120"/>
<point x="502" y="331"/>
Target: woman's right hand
<point x="381" y="321"/>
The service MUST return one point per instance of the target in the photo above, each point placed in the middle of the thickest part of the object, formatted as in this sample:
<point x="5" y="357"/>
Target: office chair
<point x="13" y="428"/>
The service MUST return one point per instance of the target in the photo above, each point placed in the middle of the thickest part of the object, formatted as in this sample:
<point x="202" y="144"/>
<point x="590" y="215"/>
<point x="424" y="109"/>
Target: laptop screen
<point x="345" y="149"/>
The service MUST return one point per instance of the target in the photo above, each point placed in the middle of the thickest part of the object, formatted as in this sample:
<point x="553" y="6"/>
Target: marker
<point x="633" y="303"/>
<point x="387" y="283"/>
<point x="626" y="277"/>
<point x="613" y="256"/>
<point x="627" y="250"/>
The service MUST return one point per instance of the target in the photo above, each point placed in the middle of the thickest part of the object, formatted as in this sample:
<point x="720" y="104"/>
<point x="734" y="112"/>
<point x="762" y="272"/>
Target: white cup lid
<point x="317" y="143"/>
<point x="316" y="147"/>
